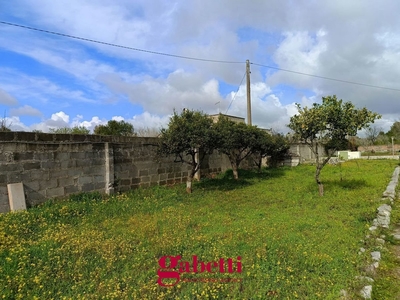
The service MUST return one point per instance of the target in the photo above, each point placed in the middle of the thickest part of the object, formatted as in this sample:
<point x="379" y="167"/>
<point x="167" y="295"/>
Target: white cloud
<point x="347" y="40"/>
<point x="161" y="96"/>
<point x="25" y="110"/>
<point x="7" y="99"/>
<point x="15" y="124"/>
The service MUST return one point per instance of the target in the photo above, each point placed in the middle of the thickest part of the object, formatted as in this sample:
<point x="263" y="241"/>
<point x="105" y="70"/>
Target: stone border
<point x="382" y="220"/>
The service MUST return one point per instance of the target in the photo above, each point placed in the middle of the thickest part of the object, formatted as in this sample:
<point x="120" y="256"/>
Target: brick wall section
<point x="58" y="165"/>
<point x="380" y="148"/>
<point x="304" y="152"/>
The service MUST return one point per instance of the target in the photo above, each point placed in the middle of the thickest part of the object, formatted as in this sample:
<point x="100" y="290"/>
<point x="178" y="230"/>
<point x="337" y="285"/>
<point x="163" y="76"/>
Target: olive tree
<point x="329" y="124"/>
<point x="69" y="130"/>
<point x="116" y="128"/>
<point x="237" y="140"/>
<point x="189" y="137"/>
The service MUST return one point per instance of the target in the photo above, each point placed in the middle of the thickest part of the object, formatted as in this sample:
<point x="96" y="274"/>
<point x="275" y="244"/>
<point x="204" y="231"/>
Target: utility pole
<point x="248" y="92"/>
<point x="392" y="146"/>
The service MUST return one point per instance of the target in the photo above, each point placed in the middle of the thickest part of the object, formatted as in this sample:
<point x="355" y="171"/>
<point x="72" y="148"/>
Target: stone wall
<point x="380" y="148"/>
<point x="58" y="165"/>
<point x="304" y="152"/>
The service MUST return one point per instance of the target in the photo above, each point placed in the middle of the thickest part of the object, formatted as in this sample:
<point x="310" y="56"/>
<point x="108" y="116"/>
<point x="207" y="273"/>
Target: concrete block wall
<point x="50" y="170"/>
<point x="304" y="152"/>
<point x="380" y="148"/>
<point x="214" y="164"/>
<point x="58" y="165"/>
<point x="135" y="164"/>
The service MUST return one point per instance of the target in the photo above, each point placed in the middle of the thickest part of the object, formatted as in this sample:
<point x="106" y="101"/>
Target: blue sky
<point x="49" y="81"/>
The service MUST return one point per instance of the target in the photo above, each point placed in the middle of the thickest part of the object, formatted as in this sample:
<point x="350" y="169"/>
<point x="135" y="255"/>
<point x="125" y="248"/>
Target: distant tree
<point x="189" y="137"/>
<point x="372" y="133"/>
<point x="329" y="124"/>
<point x="394" y="131"/>
<point x="4" y="127"/>
<point x="382" y="138"/>
<point x="237" y="141"/>
<point x="69" y="130"/>
<point x="118" y="128"/>
<point x="278" y="149"/>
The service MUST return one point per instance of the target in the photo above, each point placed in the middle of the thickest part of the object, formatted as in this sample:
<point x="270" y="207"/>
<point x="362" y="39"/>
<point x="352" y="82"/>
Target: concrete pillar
<point x="197" y="157"/>
<point x="109" y="168"/>
<point x="16" y="196"/>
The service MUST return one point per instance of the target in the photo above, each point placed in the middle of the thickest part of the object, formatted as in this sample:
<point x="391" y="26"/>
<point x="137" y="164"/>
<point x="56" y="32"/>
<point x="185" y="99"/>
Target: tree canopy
<point x="116" y="128"/>
<point x="189" y="137"/>
<point x="394" y="131"/>
<point x="329" y="124"/>
<point x="69" y="130"/>
<point x="238" y="141"/>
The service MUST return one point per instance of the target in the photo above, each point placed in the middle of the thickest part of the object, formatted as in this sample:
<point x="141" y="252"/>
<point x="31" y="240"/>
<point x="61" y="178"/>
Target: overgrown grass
<point x="292" y="242"/>
<point x="386" y="153"/>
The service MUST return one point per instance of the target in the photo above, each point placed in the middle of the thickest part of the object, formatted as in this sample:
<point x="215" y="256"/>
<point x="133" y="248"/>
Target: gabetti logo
<point x="171" y="268"/>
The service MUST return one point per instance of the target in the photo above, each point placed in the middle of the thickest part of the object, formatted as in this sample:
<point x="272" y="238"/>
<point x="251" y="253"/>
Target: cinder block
<point x="50" y="165"/>
<point x="154" y="178"/>
<point x="62" y="182"/>
<point x="48" y="184"/>
<point x="67" y="164"/>
<point x="99" y="185"/>
<point x="55" y="192"/>
<point x="135" y="180"/>
<point x="13" y="177"/>
<point x="85" y="179"/>
<point x="78" y="155"/>
<point x="98" y="179"/>
<point x="143" y="173"/>
<point x="71" y="189"/>
<point x="125" y="182"/>
<point x="31" y="166"/>
<point x="88" y="187"/>
<point x="33" y="185"/>
<point x="39" y="175"/>
<point x="145" y="179"/>
<point x="23" y="156"/>
<point x="153" y="171"/>
<point x="3" y="179"/>
<point x="74" y="172"/>
<point x="16" y="196"/>
<point x="62" y="156"/>
<point x="11" y="167"/>
<point x="4" y="208"/>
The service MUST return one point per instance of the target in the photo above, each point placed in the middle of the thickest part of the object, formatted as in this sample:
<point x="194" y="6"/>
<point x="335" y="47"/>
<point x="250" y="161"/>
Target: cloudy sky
<point x="49" y="81"/>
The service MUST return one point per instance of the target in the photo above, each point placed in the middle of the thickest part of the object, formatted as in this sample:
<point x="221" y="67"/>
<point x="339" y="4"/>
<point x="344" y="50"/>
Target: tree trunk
<point x="235" y="171"/>
<point x="259" y="163"/>
<point x="189" y="181"/>
<point x="317" y="173"/>
<point x="321" y="189"/>
<point x="189" y="185"/>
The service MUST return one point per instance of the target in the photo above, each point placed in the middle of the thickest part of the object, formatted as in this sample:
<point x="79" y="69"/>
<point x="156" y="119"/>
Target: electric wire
<point x="236" y="93"/>
<point x="121" y="46"/>
<point x="327" y="78"/>
<point x="196" y="58"/>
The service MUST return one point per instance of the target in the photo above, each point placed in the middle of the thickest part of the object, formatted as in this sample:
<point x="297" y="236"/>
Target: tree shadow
<point x="226" y="181"/>
<point x="346" y="184"/>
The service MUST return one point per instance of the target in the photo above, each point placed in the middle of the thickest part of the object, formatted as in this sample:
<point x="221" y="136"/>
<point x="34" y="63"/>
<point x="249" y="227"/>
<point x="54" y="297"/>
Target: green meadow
<point x="292" y="243"/>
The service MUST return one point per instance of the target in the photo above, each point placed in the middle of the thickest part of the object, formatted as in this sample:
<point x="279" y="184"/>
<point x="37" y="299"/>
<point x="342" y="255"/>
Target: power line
<point x="236" y="92"/>
<point x="121" y="46"/>
<point x="195" y="58"/>
<point x="328" y="78"/>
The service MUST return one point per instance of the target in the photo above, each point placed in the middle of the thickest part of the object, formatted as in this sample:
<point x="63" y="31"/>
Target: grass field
<point x="292" y="243"/>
